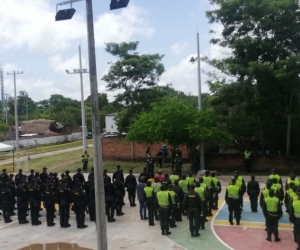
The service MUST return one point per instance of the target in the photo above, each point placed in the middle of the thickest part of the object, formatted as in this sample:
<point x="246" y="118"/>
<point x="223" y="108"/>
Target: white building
<point x="110" y="124"/>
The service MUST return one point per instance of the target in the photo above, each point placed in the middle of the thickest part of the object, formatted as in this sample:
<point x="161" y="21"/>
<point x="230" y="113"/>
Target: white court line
<point x="8" y="224"/>
<point x="213" y="230"/>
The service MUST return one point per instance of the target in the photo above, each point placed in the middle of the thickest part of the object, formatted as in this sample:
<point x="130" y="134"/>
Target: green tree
<point x="132" y="73"/>
<point x="263" y="36"/>
<point x="178" y="122"/>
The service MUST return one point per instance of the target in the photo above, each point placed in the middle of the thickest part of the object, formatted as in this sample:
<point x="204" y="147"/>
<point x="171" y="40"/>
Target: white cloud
<point x="178" y="47"/>
<point x="184" y="77"/>
<point x="111" y="27"/>
<point x="60" y="65"/>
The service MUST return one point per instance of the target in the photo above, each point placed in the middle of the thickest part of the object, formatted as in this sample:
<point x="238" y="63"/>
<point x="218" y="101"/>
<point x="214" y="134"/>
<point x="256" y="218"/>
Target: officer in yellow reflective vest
<point x="275" y="175"/>
<point x="272" y="211"/>
<point x="201" y="190"/>
<point x="164" y="204"/>
<point x="217" y="190"/>
<point x="174" y="177"/>
<point x="174" y="208"/>
<point x="292" y="179"/>
<point x="295" y="219"/>
<point x="207" y="180"/>
<point x="149" y="202"/>
<point x="156" y="187"/>
<point x="190" y="179"/>
<point x="193" y="204"/>
<point x="85" y="160"/>
<point x="247" y="157"/>
<point x="233" y="198"/>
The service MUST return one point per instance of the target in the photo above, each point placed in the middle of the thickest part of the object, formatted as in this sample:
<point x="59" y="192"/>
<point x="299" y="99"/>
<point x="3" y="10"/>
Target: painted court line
<point x="213" y="230"/>
<point x="251" y="224"/>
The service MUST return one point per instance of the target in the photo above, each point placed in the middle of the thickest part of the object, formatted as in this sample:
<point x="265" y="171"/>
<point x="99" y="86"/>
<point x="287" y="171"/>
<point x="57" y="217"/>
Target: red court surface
<point x="246" y="238"/>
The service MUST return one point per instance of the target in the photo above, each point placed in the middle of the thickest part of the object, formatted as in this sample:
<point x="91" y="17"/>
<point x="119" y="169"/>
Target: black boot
<point x="192" y="233"/>
<point x="197" y="233"/>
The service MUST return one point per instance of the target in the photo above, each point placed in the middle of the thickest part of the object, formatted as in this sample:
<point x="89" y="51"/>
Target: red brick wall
<point x="114" y="148"/>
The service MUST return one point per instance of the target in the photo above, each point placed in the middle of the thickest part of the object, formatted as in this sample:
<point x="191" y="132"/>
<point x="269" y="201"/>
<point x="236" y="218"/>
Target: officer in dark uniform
<point x="178" y="164"/>
<point x="11" y="185"/>
<point x="43" y="178"/>
<point x="130" y="184"/>
<point x="80" y="176"/>
<point x="144" y="174"/>
<point x="34" y="195"/>
<point x="253" y="191"/>
<point x="110" y="199"/>
<point x="6" y="199"/>
<point x="68" y="178"/>
<point x="64" y="200"/>
<point x="233" y="198"/>
<point x="166" y="181"/>
<point x="180" y="197"/>
<point x="272" y="211"/>
<point x="193" y="205"/>
<point x="92" y="204"/>
<point x="19" y="177"/>
<point x="31" y="176"/>
<point x="119" y="172"/>
<point x="91" y="174"/>
<point x="49" y="204"/>
<point x="22" y="202"/>
<point x="80" y="205"/>
<point x="150" y="166"/>
<point x="149" y="202"/>
<point x="120" y="191"/>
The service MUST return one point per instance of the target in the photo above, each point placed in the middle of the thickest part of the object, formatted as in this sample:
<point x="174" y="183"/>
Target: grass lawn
<point x="72" y="161"/>
<point x="44" y="149"/>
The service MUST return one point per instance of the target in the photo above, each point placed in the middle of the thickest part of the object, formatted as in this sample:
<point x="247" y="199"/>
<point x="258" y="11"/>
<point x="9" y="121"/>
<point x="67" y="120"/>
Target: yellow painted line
<point x="251" y="224"/>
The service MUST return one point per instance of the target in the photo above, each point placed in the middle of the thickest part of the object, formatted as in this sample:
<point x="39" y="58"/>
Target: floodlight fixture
<point x="118" y="4"/>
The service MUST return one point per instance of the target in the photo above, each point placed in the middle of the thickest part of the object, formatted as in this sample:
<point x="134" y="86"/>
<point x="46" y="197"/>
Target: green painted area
<point x="181" y="235"/>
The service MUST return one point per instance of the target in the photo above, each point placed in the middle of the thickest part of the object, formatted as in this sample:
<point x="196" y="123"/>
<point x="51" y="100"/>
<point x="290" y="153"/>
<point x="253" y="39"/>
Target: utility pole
<point x="97" y="144"/>
<point x="202" y="155"/>
<point x="6" y="113"/>
<point x="2" y="91"/>
<point x="14" y="73"/>
<point x="26" y="128"/>
<point x="80" y="71"/>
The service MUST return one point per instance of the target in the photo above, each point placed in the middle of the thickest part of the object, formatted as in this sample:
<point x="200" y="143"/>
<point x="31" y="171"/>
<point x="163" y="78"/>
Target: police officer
<point x="164" y="204"/>
<point x="180" y="197"/>
<point x="34" y="195"/>
<point x="149" y="202"/>
<point x="92" y="204"/>
<point x="207" y="180"/>
<point x="295" y="219"/>
<point x="22" y="202"/>
<point x="201" y="190"/>
<point x="178" y="164"/>
<point x="85" y="160"/>
<point x="275" y="175"/>
<point x="130" y="184"/>
<point x="253" y="191"/>
<point x="217" y="190"/>
<point x="166" y="181"/>
<point x="156" y="188"/>
<point x="19" y="177"/>
<point x="64" y="201"/>
<point x="232" y="197"/>
<point x="119" y="172"/>
<point x="110" y="199"/>
<point x="49" y="204"/>
<point x="193" y="205"/>
<point x="174" y="177"/>
<point x="120" y="191"/>
<point x="173" y="210"/>
<point x="6" y="199"/>
<point x="272" y="211"/>
<point x="80" y="205"/>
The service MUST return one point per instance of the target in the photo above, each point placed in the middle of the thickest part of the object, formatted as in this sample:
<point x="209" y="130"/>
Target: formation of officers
<point x="30" y="192"/>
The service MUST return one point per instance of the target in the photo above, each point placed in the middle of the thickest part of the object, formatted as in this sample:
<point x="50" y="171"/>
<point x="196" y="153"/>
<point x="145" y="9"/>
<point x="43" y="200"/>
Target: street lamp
<point x="81" y="71"/>
<point x="97" y="145"/>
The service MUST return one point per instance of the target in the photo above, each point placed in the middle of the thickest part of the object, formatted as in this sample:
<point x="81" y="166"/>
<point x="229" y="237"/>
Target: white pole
<point x="16" y="116"/>
<point x="202" y="162"/>
<point x="82" y="105"/>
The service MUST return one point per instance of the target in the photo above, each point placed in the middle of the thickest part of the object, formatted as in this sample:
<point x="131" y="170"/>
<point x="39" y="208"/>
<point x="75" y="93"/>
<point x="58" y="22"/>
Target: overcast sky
<point x="32" y="42"/>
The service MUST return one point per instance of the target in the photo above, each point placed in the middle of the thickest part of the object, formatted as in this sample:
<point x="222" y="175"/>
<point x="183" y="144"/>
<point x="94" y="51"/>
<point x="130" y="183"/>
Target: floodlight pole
<point x="202" y="162"/>
<point x="97" y="144"/>
<point x="83" y="120"/>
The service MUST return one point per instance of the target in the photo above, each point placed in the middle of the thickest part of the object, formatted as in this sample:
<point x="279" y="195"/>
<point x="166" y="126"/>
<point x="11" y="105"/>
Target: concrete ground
<point x="129" y="232"/>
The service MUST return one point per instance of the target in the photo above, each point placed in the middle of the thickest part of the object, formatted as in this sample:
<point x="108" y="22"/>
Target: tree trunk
<point x="288" y="134"/>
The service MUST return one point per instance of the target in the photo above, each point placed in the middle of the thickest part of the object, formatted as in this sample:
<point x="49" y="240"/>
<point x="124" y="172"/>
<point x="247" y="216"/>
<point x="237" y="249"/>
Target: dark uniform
<point x="193" y="205"/>
<point x="149" y="200"/>
<point x="164" y="204"/>
<point x="130" y="184"/>
<point x="178" y="165"/>
<point x="180" y="197"/>
<point x="49" y="204"/>
<point x="208" y="181"/>
<point x="253" y="191"/>
<point x="64" y="199"/>
<point x="19" y="176"/>
<point x="92" y="204"/>
<point x="34" y="195"/>
<point x="233" y="198"/>
<point x="80" y="205"/>
<point x="120" y="191"/>
<point x="110" y="200"/>
<point x="6" y="199"/>
<point x="295" y="219"/>
<point x="22" y="202"/>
